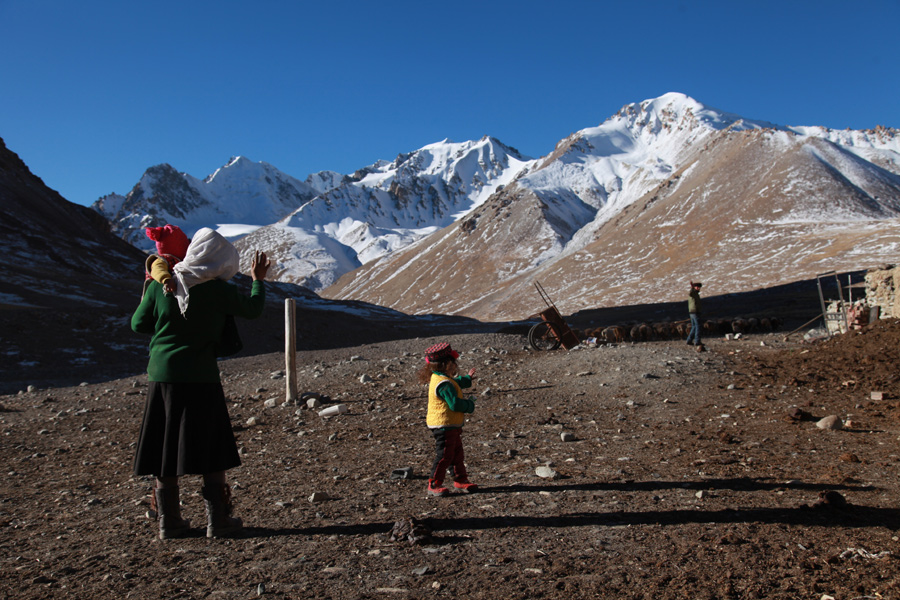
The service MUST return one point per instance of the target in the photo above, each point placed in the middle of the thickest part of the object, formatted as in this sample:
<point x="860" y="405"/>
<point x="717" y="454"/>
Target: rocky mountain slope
<point x="241" y="195"/>
<point x="663" y="192"/>
<point x="55" y="253"/>
<point x="384" y="208"/>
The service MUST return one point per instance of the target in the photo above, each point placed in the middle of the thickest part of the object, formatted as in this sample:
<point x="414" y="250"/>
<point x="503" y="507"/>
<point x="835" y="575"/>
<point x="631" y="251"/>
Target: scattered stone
<point x="252" y="422"/>
<point x="318" y="497"/>
<point x="567" y="436"/>
<point x="276" y="375"/>
<point x="830" y="499"/>
<point x="546" y="472"/>
<point x="848" y="457"/>
<point x="313" y="401"/>
<point x="335" y="570"/>
<point x="877" y="395"/>
<point x="333" y="410"/>
<point x="422" y="570"/>
<point x="410" y="530"/>
<point x="832" y="422"/>
<point x="403" y="473"/>
<point x="364" y="378"/>
<point x="799" y="415"/>
<point x="270" y="403"/>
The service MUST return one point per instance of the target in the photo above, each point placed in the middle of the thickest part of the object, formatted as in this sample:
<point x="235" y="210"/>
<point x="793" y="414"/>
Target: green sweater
<point x="448" y="394"/>
<point x="183" y="350"/>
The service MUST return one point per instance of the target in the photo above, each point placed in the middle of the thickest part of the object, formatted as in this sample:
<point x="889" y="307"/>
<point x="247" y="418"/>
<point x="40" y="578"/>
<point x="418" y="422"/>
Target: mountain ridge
<point x="565" y="201"/>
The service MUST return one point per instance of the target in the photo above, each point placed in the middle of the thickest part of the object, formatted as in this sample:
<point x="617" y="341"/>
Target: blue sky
<point x="94" y="92"/>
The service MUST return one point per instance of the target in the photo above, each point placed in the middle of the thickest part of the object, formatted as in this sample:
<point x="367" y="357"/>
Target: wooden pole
<point x="290" y="350"/>
<point x="810" y="322"/>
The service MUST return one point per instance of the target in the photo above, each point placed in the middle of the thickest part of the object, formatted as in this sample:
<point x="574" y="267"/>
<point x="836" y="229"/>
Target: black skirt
<point x="186" y="430"/>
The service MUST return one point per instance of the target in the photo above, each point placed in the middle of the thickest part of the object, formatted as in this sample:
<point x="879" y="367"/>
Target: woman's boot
<point x="219" y="522"/>
<point x="168" y="509"/>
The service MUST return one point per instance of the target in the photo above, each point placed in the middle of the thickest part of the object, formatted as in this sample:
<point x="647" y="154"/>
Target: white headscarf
<point x="209" y="256"/>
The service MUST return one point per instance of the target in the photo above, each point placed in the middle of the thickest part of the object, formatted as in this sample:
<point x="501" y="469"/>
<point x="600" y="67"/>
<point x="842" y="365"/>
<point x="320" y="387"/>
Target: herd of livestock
<point x="671" y="330"/>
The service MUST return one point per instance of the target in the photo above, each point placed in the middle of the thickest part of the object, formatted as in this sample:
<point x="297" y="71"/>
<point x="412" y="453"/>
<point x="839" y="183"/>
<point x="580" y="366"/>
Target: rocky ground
<point x="675" y="474"/>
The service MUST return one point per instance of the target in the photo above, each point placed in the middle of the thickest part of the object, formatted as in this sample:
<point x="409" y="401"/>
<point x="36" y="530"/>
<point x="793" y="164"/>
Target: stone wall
<point x="881" y="290"/>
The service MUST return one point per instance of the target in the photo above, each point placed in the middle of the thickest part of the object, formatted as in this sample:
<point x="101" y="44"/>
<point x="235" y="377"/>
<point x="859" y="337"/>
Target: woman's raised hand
<point x="260" y="266"/>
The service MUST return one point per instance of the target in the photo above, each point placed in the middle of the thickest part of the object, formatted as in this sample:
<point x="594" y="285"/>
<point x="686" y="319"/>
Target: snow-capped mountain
<point x="236" y="199"/>
<point x="662" y="192"/>
<point x="383" y="208"/>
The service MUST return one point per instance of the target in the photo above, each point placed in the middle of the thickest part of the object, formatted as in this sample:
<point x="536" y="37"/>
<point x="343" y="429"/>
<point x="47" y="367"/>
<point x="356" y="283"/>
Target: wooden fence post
<point x="290" y="350"/>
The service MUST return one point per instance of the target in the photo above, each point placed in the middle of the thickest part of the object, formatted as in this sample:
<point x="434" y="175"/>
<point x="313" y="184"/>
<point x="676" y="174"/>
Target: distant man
<point x="694" y="312"/>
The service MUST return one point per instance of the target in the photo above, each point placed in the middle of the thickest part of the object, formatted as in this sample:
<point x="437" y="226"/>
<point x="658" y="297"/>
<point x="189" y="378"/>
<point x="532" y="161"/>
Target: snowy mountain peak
<point x="679" y="111"/>
<point x="244" y="192"/>
<point x="387" y="206"/>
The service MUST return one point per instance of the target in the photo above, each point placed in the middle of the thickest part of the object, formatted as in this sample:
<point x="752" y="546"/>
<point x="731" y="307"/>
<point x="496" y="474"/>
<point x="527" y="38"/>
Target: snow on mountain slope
<point x="664" y="191"/>
<point x="242" y="192"/>
<point x="464" y="228"/>
<point x="387" y="206"/>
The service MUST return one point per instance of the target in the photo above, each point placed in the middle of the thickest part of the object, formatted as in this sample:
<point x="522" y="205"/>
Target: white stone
<point x="335" y="409"/>
<point x="830" y="422"/>
<point x="546" y="472"/>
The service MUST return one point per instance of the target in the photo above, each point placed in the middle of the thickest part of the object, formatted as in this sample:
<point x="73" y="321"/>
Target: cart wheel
<point x="543" y="337"/>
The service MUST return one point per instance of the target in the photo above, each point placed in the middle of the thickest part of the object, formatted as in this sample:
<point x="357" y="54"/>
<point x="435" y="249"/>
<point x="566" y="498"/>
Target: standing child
<point x="446" y="415"/>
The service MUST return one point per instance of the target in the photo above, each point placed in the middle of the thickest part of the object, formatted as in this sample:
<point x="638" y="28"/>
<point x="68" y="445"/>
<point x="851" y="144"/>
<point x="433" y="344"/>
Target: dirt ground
<point x="688" y="474"/>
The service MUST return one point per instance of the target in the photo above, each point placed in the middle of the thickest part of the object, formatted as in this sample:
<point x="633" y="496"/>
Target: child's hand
<point x="169" y="286"/>
<point x="472" y="372"/>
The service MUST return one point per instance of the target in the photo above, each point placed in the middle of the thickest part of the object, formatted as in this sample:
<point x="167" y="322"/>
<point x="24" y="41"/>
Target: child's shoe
<point x="436" y="488"/>
<point x="465" y="486"/>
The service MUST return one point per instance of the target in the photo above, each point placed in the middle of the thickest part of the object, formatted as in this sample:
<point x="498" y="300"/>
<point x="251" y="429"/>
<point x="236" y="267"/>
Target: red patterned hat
<point x="169" y="240"/>
<point x="440" y="352"/>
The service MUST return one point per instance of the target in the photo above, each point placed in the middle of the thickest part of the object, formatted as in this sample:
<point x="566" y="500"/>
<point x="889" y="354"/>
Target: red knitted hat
<point x="440" y="352"/>
<point x="169" y="239"/>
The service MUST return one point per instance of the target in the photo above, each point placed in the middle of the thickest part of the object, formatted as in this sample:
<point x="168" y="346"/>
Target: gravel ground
<point x="685" y="474"/>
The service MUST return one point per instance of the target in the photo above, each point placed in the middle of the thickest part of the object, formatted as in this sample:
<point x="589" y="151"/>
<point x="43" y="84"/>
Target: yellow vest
<point x="439" y="414"/>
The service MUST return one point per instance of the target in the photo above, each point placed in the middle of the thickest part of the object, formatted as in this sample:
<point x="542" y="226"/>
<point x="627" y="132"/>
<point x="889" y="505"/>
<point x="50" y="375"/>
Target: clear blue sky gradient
<point x="93" y="92"/>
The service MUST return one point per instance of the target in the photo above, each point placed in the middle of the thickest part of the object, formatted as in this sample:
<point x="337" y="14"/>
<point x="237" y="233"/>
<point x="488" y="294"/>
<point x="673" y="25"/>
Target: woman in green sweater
<point x="186" y="428"/>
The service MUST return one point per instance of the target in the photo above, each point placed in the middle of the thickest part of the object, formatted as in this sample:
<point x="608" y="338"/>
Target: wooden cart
<point x="552" y="330"/>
